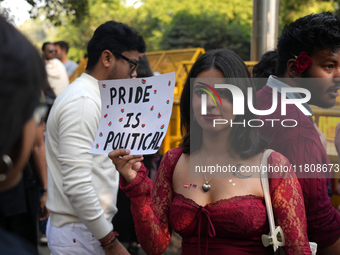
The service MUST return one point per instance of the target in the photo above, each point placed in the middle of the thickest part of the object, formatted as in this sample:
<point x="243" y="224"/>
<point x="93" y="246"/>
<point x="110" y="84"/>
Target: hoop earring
<point x="9" y="163"/>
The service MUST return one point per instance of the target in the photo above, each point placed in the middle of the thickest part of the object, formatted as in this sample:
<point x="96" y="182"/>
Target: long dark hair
<point x="245" y="141"/>
<point x="144" y="69"/>
<point x="23" y="77"/>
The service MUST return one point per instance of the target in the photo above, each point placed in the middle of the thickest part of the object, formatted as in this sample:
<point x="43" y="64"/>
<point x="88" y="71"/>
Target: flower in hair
<point x="302" y="62"/>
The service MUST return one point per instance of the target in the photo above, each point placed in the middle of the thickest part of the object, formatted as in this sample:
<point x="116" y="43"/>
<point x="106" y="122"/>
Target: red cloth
<point x="229" y="226"/>
<point x="302" y="145"/>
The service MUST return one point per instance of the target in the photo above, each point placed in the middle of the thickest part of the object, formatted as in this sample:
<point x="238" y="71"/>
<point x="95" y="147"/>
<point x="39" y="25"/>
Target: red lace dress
<point x="230" y="226"/>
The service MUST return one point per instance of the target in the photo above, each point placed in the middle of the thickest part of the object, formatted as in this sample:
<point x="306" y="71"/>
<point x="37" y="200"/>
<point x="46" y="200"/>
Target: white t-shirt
<point x="56" y="75"/>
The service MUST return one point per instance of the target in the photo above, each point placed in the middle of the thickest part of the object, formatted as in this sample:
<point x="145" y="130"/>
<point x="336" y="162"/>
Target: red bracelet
<point x="110" y="242"/>
<point x="110" y="239"/>
<point x="107" y="238"/>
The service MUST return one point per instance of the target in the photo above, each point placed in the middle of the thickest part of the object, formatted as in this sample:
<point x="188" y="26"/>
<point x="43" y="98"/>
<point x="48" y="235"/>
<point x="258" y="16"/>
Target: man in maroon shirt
<point x="307" y="48"/>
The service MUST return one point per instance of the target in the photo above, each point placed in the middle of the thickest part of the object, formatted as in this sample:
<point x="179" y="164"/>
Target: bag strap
<point x="274" y="231"/>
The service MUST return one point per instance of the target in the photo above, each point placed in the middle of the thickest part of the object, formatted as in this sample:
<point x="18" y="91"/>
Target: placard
<point x="135" y="114"/>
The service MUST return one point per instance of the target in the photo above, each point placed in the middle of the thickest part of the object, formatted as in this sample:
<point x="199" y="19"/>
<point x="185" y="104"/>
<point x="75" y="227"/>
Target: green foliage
<point x="149" y="27"/>
<point x="159" y="15"/>
<point x="38" y="31"/>
<point x="151" y="19"/>
<point x="78" y="35"/>
<point x="207" y="30"/>
<point x="55" y="11"/>
<point x="291" y="10"/>
<point x="163" y="24"/>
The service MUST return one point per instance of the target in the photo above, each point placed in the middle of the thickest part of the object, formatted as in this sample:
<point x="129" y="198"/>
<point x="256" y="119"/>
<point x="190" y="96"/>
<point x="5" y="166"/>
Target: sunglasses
<point x="133" y="66"/>
<point x="40" y="112"/>
<point x="51" y="51"/>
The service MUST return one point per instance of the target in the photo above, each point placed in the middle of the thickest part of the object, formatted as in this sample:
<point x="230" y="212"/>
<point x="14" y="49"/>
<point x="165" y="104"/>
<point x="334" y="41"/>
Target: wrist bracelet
<point x="110" y="239"/>
<point x="104" y="241"/>
<point x="43" y="191"/>
<point x="110" y="242"/>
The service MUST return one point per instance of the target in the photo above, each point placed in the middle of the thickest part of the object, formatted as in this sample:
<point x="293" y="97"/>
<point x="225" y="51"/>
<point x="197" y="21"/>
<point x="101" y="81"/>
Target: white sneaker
<point x="43" y="239"/>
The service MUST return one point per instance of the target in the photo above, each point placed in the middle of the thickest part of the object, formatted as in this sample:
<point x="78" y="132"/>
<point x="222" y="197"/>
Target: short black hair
<point x="246" y="141"/>
<point x="114" y="36"/>
<point x="314" y="31"/>
<point x="20" y="88"/>
<point x="264" y="68"/>
<point x="45" y="44"/>
<point x="62" y="45"/>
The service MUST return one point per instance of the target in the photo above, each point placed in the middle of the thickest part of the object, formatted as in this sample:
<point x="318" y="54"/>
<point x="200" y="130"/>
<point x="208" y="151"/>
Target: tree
<point x="77" y="35"/>
<point x="291" y="10"/>
<point x="151" y="19"/>
<point x="6" y="14"/>
<point x="38" y="31"/>
<point x="212" y="23"/>
<point x="54" y="10"/>
<point x="209" y="31"/>
<point x="337" y="7"/>
<point x="154" y="17"/>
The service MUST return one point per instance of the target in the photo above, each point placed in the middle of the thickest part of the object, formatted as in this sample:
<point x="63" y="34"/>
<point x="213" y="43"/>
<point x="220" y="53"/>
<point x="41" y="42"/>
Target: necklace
<point x="206" y="186"/>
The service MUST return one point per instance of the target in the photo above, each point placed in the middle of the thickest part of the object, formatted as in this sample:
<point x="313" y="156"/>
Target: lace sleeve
<point x="151" y="214"/>
<point x="288" y="206"/>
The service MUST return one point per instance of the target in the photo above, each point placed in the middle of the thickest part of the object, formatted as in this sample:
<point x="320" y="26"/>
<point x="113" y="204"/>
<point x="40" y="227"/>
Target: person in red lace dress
<point x="219" y="213"/>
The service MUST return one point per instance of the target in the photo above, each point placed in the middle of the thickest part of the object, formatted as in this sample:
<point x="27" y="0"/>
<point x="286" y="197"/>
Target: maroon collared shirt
<point x="303" y="148"/>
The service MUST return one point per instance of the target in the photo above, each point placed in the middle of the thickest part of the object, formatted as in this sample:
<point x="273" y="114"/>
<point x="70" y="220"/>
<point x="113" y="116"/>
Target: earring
<point x="9" y="163"/>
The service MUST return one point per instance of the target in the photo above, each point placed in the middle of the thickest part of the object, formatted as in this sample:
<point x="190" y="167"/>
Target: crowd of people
<point x="223" y="213"/>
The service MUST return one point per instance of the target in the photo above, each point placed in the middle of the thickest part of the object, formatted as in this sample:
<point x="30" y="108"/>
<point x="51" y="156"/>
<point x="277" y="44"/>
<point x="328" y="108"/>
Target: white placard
<point x="135" y="114"/>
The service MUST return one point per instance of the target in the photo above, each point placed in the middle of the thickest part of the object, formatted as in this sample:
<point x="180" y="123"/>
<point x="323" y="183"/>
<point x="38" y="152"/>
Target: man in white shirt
<point x="82" y="187"/>
<point x="56" y="71"/>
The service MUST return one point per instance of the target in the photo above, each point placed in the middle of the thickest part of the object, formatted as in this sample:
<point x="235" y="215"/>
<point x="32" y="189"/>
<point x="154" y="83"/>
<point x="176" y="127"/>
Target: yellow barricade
<point x="180" y="61"/>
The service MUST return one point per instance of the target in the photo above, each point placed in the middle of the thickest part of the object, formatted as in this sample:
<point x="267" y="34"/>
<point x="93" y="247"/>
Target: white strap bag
<point x="272" y="238"/>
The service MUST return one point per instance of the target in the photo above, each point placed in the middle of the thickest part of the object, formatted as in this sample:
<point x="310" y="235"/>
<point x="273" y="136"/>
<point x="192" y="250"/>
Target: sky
<point x="19" y="9"/>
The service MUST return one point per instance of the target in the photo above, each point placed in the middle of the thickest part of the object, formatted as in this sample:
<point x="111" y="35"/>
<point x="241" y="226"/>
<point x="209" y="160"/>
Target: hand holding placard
<point x="127" y="165"/>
